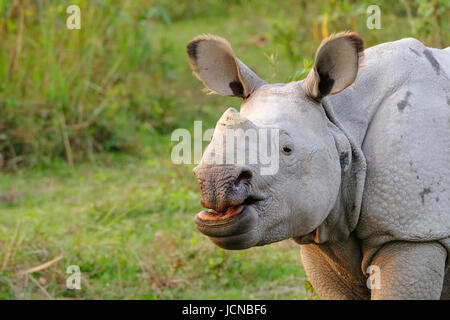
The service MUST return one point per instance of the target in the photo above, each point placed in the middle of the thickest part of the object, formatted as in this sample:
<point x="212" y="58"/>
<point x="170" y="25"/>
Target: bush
<point x="68" y="93"/>
<point x="72" y="93"/>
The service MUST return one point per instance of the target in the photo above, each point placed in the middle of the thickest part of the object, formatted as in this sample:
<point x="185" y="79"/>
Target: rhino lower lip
<point x="242" y="220"/>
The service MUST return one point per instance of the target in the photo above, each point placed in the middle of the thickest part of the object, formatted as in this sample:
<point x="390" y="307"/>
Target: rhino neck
<point x="353" y="109"/>
<point x="344" y="216"/>
<point x="350" y="114"/>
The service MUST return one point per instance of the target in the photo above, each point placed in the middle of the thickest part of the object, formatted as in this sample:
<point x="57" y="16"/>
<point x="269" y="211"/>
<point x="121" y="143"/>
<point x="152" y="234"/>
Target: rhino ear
<point x="336" y="65"/>
<point x="214" y="63"/>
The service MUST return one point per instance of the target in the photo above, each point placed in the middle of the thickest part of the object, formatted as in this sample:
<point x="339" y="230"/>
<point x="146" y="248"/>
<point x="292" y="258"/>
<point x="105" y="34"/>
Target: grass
<point x="85" y="127"/>
<point x="129" y="225"/>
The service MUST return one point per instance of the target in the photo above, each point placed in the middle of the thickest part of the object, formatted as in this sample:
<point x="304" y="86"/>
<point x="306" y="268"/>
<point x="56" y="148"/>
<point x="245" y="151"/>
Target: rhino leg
<point x="334" y="271"/>
<point x="445" y="295"/>
<point x="410" y="270"/>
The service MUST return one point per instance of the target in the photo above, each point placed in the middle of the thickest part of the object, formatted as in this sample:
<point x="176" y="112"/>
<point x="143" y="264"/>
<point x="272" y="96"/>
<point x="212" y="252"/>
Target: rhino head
<point x="244" y="207"/>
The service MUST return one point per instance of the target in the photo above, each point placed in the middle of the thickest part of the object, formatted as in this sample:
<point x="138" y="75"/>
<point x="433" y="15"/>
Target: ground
<point x="129" y="225"/>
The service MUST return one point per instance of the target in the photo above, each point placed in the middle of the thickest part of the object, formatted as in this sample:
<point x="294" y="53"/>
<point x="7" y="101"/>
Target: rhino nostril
<point x="244" y="177"/>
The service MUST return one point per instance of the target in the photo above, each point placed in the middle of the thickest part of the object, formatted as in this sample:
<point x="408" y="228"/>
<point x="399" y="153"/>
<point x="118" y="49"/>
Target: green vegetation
<point x="129" y="226"/>
<point x="85" y="123"/>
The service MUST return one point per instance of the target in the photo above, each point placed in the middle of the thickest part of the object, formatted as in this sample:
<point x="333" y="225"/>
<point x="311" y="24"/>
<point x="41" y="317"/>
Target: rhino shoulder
<point x="395" y="49"/>
<point x="410" y="59"/>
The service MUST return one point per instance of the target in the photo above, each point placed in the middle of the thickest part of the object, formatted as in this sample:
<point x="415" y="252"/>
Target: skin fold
<point x="363" y="182"/>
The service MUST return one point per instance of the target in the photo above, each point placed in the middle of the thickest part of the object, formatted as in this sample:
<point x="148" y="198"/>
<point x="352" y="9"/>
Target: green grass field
<point x="129" y="225"/>
<point x="86" y="176"/>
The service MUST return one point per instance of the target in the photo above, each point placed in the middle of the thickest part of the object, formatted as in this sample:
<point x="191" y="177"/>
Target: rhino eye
<point x="287" y="149"/>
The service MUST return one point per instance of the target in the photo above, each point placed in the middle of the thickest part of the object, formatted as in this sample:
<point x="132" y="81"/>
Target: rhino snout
<point x="223" y="186"/>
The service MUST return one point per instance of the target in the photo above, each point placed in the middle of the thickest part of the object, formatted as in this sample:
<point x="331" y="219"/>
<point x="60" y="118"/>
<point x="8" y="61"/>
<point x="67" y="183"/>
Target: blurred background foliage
<point x="123" y="78"/>
<point x="85" y="121"/>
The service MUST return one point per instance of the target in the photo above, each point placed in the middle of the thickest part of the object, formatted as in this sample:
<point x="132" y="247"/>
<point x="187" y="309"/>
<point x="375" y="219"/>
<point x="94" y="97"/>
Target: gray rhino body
<point x="365" y="186"/>
<point x="397" y="114"/>
<point x="400" y="120"/>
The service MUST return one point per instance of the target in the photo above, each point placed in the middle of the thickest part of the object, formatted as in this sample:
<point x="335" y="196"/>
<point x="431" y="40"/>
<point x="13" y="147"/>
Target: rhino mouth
<point x="213" y="215"/>
<point x="233" y="221"/>
<point x="228" y="213"/>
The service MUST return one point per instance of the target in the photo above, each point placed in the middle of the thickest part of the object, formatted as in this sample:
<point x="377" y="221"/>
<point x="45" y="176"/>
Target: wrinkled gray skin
<point x="367" y="179"/>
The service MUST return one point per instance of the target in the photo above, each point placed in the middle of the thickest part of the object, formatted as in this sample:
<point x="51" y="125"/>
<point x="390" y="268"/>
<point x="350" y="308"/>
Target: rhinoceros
<point x="363" y="182"/>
